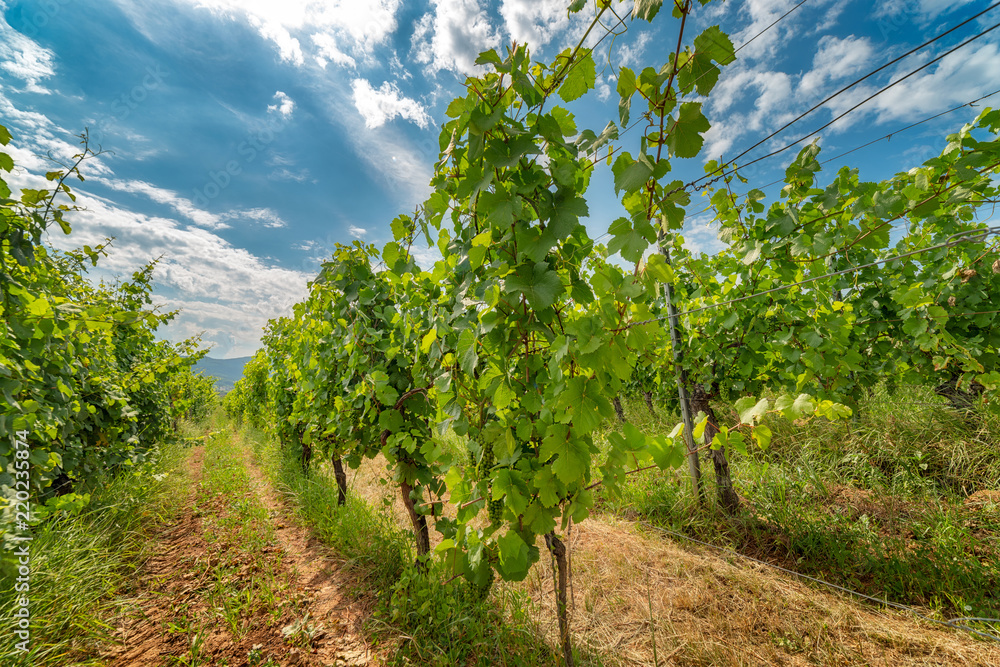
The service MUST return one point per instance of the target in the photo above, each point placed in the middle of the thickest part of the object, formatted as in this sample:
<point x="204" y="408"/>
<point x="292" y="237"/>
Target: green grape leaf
<point x="698" y="431"/>
<point x="476" y="256"/>
<point x="565" y="120"/>
<point x="646" y="9"/>
<point x="736" y="442"/>
<point x="428" y="340"/>
<point x="513" y="562"/>
<point x="685" y="139"/>
<point x="566" y="214"/>
<point x="572" y="456"/>
<point x="505" y="154"/>
<point x="762" y="435"/>
<point x="588" y="142"/>
<point x="626" y="88"/>
<point x="585" y="402"/>
<point x="510" y="484"/>
<point x="579" y="507"/>
<point x="386" y="394"/>
<point x="503" y="396"/>
<point x="668" y="452"/>
<point x="490" y="56"/>
<point x="630" y="174"/>
<point x="582" y="76"/>
<point x="710" y="45"/>
<point x="501" y="206"/>
<point x="548" y="487"/>
<point x="538" y="518"/>
<point x="635" y="440"/>
<point x="794" y="408"/>
<point x="657" y="267"/>
<point x="751" y="411"/>
<point x="468" y="358"/>
<point x="833" y="411"/>
<point x="631" y="241"/>
<point x="539" y="284"/>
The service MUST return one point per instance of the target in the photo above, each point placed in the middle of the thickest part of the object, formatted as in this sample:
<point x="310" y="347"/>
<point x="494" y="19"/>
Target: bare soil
<point x="169" y="596"/>
<point x="318" y="572"/>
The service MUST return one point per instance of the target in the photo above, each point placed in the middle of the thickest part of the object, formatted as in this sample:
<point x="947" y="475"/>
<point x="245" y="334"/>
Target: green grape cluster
<point x="477" y="592"/>
<point x="486" y="465"/>
<point x="495" y="508"/>
<point x="487" y="462"/>
<point x="472" y="454"/>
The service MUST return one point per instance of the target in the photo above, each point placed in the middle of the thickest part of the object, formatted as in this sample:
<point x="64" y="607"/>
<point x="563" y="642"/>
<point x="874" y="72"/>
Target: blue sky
<point x="246" y="138"/>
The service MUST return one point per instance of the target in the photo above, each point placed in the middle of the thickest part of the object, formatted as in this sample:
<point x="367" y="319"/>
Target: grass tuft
<point x="79" y="562"/>
<point x="419" y="618"/>
<point x="881" y="503"/>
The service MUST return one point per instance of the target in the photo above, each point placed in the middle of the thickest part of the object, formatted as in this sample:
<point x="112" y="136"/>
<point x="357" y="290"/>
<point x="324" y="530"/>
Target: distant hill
<point x="225" y="371"/>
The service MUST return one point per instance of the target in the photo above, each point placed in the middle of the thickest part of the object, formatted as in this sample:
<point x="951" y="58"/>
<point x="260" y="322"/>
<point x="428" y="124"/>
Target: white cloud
<point x="288" y="46"/>
<point x="367" y="22"/>
<point x="398" y="69"/>
<point x="169" y="198"/>
<point x="761" y="14"/>
<point x="534" y="22"/>
<point x="328" y="50"/>
<point x="228" y="330"/>
<point x="836" y="58"/>
<point x="357" y="232"/>
<point x="286" y="174"/>
<point x="225" y="291"/>
<point x="956" y="79"/>
<point x="452" y="36"/>
<point x="420" y="42"/>
<point x="720" y="138"/>
<point x="23" y="58"/>
<point x="386" y="103"/>
<point x="320" y="24"/>
<point x="830" y="18"/>
<point x="279" y="160"/>
<point x="284" y="107"/>
<point x="603" y="89"/>
<point x="631" y="55"/>
<point x="265" y="216"/>
<point x="407" y="172"/>
<point x="425" y="257"/>
<point x="399" y="161"/>
<point x="923" y="10"/>
<point x="772" y="92"/>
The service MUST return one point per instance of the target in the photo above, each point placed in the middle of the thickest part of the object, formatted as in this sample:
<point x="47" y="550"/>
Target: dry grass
<point x="708" y="610"/>
<point x="632" y="589"/>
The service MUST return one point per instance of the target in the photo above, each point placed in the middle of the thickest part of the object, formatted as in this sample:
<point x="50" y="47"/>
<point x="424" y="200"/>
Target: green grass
<point x="79" y="562"/>
<point x="421" y="618"/>
<point x="873" y="503"/>
<point x="244" y="584"/>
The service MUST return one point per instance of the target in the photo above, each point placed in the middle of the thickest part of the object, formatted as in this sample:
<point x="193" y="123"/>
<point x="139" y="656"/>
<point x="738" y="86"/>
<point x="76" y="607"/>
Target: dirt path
<point x="141" y="629"/>
<point x="208" y="597"/>
<point x="317" y="570"/>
